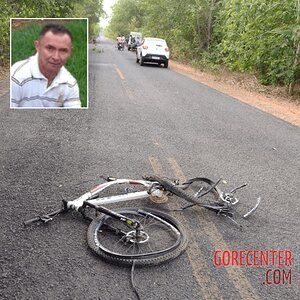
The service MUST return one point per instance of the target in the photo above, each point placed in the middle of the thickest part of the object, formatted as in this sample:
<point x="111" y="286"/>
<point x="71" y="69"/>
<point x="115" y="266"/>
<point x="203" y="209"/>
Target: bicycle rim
<point x="163" y="238"/>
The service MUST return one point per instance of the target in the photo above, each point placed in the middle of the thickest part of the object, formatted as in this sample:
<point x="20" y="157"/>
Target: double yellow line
<point x="207" y="229"/>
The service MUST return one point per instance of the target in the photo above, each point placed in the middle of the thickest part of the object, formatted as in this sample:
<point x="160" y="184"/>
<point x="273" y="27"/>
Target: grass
<point x="22" y="45"/>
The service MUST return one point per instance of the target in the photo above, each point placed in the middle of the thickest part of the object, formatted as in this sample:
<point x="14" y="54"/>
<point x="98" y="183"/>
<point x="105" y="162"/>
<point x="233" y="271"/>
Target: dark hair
<point x="56" y="29"/>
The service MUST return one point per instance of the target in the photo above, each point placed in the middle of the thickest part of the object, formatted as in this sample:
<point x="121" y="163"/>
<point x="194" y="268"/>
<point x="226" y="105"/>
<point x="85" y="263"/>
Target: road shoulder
<point x="279" y="107"/>
<point x="4" y="81"/>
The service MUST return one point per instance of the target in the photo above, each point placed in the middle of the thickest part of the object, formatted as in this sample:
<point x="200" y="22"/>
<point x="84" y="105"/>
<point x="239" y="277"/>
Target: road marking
<point x="120" y="73"/>
<point x="201" y="272"/>
<point x="156" y="166"/>
<point x="236" y="274"/>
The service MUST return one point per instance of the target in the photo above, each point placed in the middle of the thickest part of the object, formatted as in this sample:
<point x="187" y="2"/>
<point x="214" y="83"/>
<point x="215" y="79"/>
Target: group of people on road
<point x="121" y="40"/>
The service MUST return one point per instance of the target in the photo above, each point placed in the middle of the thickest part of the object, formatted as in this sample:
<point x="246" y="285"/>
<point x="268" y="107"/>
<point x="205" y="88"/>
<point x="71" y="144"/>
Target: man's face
<point x="53" y="50"/>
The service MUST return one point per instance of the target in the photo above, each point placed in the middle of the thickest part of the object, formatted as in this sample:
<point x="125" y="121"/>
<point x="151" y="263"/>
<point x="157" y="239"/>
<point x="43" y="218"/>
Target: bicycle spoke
<point x="155" y="236"/>
<point x="159" y="238"/>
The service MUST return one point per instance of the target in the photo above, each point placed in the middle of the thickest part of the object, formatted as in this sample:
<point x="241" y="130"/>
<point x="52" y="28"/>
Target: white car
<point x="153" y="50"/>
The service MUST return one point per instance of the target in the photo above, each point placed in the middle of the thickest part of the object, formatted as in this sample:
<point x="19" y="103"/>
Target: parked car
<point x="134" y="40"/>
<point x="153" y="50"/>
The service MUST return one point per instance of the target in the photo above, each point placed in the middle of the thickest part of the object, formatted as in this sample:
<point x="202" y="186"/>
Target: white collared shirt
<point x="29" y="87"/>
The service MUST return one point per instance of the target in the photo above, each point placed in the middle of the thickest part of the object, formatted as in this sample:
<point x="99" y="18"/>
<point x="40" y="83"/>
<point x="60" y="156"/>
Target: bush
<point x="259" y="35"/>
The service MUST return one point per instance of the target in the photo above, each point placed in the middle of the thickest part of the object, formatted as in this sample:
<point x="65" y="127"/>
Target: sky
<point x="107" y="4"/>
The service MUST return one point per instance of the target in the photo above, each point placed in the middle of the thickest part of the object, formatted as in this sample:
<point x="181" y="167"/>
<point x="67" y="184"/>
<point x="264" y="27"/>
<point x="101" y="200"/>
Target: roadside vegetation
<point x="91" y="9"/>
<point x="261" y="37"/>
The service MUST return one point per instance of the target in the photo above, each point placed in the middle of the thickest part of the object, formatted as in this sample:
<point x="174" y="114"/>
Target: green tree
<point x="127" y="17"/>
<point x="92" y="9"/>
<point x="260" y="35"/>
<point x="186" y="25"/>
<point x="296" y="67"/>
<point x="6" y="11"/>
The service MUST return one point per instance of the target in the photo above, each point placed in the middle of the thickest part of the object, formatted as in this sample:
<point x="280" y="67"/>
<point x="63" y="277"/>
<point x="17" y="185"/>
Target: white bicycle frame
<point x="89" y="196"/>
<point x="151" y="189"/>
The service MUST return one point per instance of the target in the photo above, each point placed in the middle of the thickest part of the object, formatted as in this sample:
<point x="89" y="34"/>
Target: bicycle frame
<point x="153" y="188"/>
<point x="87" y="198"/>
<point x="151" y="236"/>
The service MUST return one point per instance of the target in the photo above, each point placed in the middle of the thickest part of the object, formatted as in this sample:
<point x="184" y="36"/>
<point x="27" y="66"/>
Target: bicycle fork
<point x="136" y="235"/>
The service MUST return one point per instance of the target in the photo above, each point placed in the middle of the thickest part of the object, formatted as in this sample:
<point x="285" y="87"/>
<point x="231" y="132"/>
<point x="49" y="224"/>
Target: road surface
<point x="145" y="120"/>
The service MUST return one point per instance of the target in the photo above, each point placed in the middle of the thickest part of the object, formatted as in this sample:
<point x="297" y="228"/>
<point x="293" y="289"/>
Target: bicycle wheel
<point x="163" y="238"/>
<point x="200" y="185"/>
<point x="171" y="187"/>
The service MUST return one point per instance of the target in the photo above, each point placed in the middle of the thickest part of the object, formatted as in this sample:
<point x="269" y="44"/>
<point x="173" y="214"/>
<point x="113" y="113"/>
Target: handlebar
<point x="45" y="218"/>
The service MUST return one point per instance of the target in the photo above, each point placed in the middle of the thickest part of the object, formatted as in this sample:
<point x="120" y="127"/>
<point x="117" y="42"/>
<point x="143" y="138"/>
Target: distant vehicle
<point x="135" y="39"/>
<point x="120" y="46"/>
<point x="153" y="50"/>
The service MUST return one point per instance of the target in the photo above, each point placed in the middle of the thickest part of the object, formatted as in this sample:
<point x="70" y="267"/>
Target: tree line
<point x="260" y="36"/>
<point x="91" y="9"/>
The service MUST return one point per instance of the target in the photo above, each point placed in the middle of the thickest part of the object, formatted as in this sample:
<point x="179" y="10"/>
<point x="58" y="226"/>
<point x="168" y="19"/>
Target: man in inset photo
<point x="42" y="80"/>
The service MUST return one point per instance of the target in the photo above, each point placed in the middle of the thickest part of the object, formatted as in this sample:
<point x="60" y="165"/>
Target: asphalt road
<point x="145" y="120"/>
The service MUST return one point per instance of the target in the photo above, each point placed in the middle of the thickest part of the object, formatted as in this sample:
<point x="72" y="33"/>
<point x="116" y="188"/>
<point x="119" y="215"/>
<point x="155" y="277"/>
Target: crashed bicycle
<point x="143" y="236"/>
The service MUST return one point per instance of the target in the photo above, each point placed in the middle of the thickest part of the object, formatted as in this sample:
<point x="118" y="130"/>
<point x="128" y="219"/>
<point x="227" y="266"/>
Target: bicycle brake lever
<point x="219" y="210"/>
<point x="109" y="178"/>
<point x="237" y="188"/>
<point x="45" y="218"/>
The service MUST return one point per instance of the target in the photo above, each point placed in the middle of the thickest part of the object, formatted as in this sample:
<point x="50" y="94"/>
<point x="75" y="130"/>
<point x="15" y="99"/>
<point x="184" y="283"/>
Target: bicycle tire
<point x="167" y="238"/>
<point x="205" y="187"/>
<point x="171" y="187"/>
<point x="215" y="206"/>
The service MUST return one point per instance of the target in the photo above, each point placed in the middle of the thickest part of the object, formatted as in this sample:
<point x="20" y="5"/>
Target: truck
<point x="134" y="39"/>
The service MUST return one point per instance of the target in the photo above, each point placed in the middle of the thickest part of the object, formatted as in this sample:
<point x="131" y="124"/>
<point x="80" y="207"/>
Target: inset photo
<point x="49" y="63"/>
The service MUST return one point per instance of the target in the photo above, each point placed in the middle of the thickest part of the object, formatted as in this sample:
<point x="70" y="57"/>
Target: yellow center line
<point x="120" y="73"/>
<point x="156" y="166"/>
<point x="201" y="272"/>
<point x="236" y="274"/>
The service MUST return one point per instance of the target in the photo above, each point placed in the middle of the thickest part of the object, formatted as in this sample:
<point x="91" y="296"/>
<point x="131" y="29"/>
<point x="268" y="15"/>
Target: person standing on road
<point x="123" y="41"/>
<point x="119" y="40"/>
<point x="42" y="80"/>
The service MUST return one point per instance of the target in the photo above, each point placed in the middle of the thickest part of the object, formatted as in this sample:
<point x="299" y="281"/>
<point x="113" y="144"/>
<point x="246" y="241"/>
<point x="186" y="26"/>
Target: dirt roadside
<point x="244" y="88"/>
<point x="4" y="81"/>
